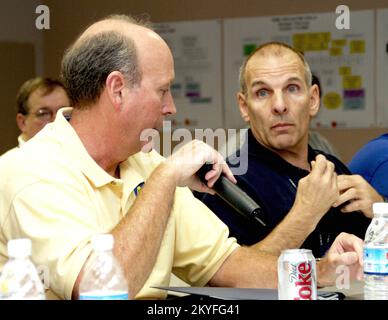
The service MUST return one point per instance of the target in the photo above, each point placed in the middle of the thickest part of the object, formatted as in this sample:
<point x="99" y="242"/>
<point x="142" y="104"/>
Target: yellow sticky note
<point x="326" y="37"/>
<point x="357" y="46"/>
<point x="335" y="52"/>
<point x="338" y="42"/>
<point x="298" y="41"/>
<point x="352" y="82"/>
<point x="312" y="41"/>
<point x="345" y="71"/>
<point x="332" y="100"/>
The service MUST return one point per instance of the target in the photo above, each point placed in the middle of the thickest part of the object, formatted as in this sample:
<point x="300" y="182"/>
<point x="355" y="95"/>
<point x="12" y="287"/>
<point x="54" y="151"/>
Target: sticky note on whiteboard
<point x="354" y="99"/>
<point x="357" y="46"/>
<point x="332" y="100"/>
<point x="351" y="82"/>
<point x="338" y="42"/>
<point x="335" y="52"/>
<point x="345" y="71"/>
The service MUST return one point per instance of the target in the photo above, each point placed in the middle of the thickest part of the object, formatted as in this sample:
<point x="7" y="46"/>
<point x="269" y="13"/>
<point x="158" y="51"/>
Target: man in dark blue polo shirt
<point x="307" y="197"/>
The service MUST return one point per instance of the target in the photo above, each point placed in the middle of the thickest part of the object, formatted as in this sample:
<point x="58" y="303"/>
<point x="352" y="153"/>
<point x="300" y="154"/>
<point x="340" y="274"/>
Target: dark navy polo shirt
<point x="271" y="182"/>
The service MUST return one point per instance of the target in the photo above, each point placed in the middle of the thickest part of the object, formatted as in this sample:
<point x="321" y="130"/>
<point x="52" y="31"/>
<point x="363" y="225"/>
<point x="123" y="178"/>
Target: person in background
<point x="88" y="172"/>
<point x="38" y="101"/>
<point x="371" y="163"/>
<point x="307" y="197"/>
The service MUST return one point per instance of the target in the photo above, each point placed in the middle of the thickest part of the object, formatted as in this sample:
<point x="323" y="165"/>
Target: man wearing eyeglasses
<point x="38" y="101"/>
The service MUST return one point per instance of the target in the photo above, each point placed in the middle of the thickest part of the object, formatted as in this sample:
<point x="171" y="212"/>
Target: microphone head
<point x="233" y="195"/>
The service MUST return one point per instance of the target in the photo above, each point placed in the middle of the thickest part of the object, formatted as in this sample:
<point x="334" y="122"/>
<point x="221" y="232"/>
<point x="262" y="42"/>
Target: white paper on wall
<point x="196" y="47"/>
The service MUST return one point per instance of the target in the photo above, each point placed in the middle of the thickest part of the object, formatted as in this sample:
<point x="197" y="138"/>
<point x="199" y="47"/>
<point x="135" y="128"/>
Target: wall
<point x="21" y="57"/>
<point x="348" y="141"/>
<point x="17" y="65"/>
<point x="69" y="17"/>
<point x="17" y="21"/>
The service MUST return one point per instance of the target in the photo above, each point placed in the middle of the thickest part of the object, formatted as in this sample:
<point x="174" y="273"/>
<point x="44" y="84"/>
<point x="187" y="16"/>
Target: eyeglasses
<point x="44" y="114"/>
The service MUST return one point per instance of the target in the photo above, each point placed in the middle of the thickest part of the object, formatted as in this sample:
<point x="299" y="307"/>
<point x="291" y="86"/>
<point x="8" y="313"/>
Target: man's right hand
<point x="318" y="190"/>
<point x="190" y="158"/>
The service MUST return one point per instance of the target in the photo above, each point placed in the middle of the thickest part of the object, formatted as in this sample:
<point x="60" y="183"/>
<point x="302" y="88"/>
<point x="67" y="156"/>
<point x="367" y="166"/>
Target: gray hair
<point x="87" y="63"/>
<point x="279" y="46"/>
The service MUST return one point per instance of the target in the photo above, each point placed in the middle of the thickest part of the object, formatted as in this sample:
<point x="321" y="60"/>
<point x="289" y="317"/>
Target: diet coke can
<point x="297" y="279"/>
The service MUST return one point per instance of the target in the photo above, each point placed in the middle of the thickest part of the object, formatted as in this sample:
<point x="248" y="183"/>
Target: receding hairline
<point x="273" y="49"/>
<point x="276" y="50"/>
<point x="142" y="36"/>
<point x="103" y="47"/>
<point x="124" y="27"/>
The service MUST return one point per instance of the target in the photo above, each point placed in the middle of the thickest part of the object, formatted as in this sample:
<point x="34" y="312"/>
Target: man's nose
<point x="279" y="104"/>
<point x="169" y="106"/>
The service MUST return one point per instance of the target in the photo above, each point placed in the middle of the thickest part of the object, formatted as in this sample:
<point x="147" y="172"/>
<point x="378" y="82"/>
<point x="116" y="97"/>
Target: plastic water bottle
<point x="103" y="278"/>
<point x="19" y="279"/>
<point x="376" y="255"/>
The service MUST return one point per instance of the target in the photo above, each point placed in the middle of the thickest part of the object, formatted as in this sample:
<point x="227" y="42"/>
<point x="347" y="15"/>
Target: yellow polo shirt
<point x="21" y="141"/>
<point x="54" y="193"/>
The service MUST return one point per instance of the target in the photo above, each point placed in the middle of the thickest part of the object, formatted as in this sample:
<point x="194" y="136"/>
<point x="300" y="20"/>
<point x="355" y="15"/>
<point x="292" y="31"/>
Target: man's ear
<point x="242" y="103"/>
<point x="315" y="101"/>
<point x="115" y="83"/>
<point x="21" y="121"/>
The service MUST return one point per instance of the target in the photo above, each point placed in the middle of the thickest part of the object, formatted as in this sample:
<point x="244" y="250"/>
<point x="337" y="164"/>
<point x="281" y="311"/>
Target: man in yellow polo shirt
<point x="85" y="174"/>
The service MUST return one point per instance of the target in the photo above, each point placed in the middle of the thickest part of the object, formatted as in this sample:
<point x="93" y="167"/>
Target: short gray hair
<point x="275" y="45"/>
<point x="87" y="63"/>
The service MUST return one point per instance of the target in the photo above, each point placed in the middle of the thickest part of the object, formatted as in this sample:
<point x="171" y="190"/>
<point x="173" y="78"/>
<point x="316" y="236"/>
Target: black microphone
<point x="233" y="195"/>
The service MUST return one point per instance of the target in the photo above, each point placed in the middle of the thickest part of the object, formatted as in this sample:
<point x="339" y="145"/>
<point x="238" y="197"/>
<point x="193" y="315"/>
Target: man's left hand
<point x="358" y="192"/>
<point x="346" y="250"/>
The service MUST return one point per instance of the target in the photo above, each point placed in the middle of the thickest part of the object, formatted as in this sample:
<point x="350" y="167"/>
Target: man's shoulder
<point x="380" y="139"/>
<point x="377" y="145"/>
<point x="9" y="152"/>
<point x="32" y="163"/>
<point x="371" y="156"/>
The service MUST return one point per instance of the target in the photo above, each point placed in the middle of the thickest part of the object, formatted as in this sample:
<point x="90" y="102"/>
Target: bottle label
<point x="376" y="261"/>
<point x="103" y="295"/>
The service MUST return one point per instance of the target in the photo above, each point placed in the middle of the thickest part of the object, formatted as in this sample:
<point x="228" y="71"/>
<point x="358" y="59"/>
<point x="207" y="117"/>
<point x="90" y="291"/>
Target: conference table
<point x="355" y="290"/>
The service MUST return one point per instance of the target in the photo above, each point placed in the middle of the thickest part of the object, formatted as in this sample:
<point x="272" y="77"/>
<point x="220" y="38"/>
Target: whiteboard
<point x="382" y="67"/>
<point x="342" y="59"/>
<point x="196" y="47"/>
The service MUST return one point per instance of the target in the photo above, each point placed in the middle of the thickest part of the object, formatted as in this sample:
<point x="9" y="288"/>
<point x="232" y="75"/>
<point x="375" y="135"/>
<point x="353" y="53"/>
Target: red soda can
<point x="297" y="276"/>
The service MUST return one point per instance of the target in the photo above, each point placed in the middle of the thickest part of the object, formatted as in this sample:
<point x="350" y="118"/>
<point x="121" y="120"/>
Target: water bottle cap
<point x="380" y="207"/>
<point x="19" y="248"/>
<point x="102" y="242"/>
